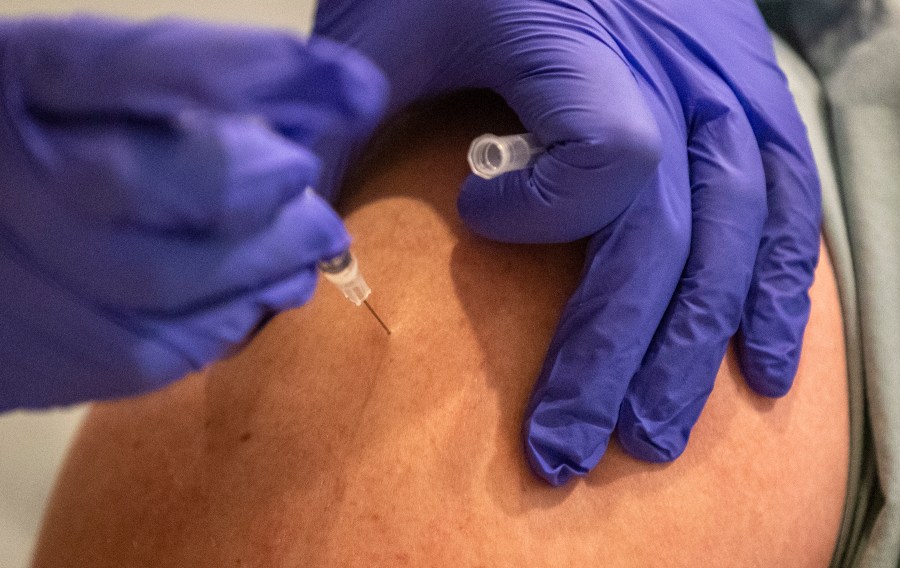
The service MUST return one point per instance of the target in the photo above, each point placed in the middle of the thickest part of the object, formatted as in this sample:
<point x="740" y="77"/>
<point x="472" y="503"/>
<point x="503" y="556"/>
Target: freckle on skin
<point x="246" y="436"/>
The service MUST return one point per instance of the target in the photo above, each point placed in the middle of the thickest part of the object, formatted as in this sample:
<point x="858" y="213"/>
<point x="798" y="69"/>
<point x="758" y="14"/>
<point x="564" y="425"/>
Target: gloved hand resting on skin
<point x="152" y="203"/>
<point x="674" y="143"/>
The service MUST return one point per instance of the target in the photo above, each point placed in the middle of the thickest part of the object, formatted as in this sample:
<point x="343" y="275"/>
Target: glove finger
<point x="90" y="356"/>
<point x="602" y="143"/>
<point x="149" y="273"/>
<point x="631" y="271"/>
<point x="207" y="335"/>
<point x="210" y="176"/>
<point x="150" y="352"/>
<point x="728" y="198"/>
<point x="86" y="67"/>
<point x="306" y="230"/>
<point x="777" y="307"/>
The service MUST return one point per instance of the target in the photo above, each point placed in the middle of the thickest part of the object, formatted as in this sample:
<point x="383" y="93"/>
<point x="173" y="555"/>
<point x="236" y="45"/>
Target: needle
<point x="366" y="302"/>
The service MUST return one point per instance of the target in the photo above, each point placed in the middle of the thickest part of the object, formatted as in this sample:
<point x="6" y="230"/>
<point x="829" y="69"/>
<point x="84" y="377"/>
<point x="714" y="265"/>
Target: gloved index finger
<point x="92" y="67"/>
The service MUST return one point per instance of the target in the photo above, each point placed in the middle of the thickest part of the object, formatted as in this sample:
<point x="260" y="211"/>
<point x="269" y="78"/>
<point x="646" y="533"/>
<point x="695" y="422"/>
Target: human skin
<point x="328" y="443"/>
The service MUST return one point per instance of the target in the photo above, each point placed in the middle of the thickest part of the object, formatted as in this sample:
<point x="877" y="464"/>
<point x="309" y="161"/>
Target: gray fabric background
<point x="854" y="46"/>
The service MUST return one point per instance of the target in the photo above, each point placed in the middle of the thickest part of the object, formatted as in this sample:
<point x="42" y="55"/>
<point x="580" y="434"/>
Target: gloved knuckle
<point x="748" y="194"/>
<point x="642" y="142"/>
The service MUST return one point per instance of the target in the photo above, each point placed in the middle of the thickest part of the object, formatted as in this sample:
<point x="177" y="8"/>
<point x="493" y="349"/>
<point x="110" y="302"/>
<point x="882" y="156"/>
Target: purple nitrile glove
<point x="672" y="139"/>
<point x="153" y="210"/>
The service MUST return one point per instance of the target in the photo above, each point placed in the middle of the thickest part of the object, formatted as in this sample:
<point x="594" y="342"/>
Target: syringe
<point x="343" y="271"/>
<point x="491" y="155"/>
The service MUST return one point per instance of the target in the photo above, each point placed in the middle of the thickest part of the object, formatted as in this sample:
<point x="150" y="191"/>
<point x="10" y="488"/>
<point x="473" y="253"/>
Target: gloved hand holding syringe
<point x="170" y="159"/>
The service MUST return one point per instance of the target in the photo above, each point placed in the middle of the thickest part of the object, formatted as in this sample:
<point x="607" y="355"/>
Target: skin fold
<point x="327" y="443"/>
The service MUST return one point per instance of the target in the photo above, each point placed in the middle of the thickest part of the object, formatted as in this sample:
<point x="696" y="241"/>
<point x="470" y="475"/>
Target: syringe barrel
<point x="343" y="272"/>
<point x="491" y="155"/>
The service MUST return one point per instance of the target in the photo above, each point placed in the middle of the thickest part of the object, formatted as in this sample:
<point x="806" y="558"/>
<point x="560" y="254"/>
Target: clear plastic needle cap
<point x="491" y="155"/>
